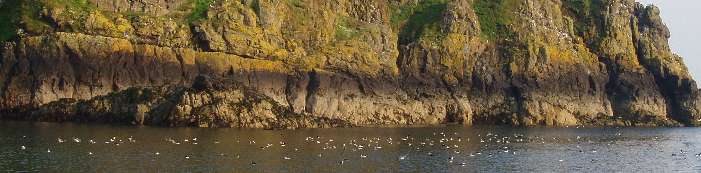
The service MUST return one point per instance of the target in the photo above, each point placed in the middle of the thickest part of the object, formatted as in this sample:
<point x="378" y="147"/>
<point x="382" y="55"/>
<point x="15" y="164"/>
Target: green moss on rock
<point x="22" y="17"/>
<point x="588" y="18"/>
<point x="419" y="21"/>
<point x="495" y="17"/>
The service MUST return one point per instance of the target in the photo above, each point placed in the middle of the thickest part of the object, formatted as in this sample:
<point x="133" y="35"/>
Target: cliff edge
<point x="526" y="62"/>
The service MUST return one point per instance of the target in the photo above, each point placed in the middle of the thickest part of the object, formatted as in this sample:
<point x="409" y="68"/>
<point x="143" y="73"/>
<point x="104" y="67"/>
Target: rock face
<point x="528" y="62"/>
<point x="209" y="103"/>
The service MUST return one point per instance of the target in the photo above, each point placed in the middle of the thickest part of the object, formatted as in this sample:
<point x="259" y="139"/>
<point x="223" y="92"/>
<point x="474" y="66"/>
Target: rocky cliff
<point x="525" y="62"/>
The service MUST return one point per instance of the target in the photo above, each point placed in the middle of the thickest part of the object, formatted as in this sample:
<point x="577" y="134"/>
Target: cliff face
<point x="526" y="62"/>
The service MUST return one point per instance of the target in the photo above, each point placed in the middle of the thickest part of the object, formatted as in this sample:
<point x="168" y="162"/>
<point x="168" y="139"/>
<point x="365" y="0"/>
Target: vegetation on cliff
<point x="20" y="17"/>
<point x="419" y="21"/>
<point x="29" y="17"/>
<point x="423" y="20"/>
<point x="589" y="20"/>
<point x="496" y="17"/>
<point x="197" y="8"/>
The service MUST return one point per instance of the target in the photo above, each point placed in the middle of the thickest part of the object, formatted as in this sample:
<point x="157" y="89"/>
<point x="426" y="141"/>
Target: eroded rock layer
<point x="208" y="103"/>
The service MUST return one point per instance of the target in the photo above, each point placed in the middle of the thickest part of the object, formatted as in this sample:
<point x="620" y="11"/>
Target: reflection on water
<point x="70" y="147"/>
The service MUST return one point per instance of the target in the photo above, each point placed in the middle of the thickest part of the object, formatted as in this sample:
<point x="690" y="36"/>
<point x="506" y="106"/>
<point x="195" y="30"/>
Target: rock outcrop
<point x="528" y="62"/>
<point x="208" y="103"/>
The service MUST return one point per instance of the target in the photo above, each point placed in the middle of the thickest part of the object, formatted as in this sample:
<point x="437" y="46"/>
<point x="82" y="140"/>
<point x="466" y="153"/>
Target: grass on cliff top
<point x="419" y="21"/>
<point x="19" y="14"/>
<point x="495" y="17"/>
<point x="198" y="9"/>
<point x="300" y="16"/>
<point x="422" y="20"/>
<point x="347" y="28"/>
<point x="78" y="10"/>
<point x="25" y="15"/>
<point x="588" y="20"/>
<point x="10" y="14"/>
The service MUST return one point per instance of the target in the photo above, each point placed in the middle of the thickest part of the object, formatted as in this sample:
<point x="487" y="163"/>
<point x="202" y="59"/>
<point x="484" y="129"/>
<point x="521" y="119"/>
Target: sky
<point x="683" y="18"/>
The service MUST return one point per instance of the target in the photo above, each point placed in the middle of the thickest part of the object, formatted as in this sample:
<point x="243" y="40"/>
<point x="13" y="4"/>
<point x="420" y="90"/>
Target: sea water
<point x="74" y="147"/>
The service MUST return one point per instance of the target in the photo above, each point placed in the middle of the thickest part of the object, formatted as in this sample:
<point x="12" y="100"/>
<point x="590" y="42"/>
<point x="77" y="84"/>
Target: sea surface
<point x="74" y="147"/>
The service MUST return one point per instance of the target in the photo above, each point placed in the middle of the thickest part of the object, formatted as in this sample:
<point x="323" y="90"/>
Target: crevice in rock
<point x="183" y="70"/>
<point x="289" y="91"/>
<point x="6" y="84"/>
<point x="11" y="72"/>
<point x="312" y="89"/>
<point x="611" y="87"/>
<point x="361" y="85"/>
<point x="592" y="84"/>
<point x="245" y="56"/>
<point x="401" y="53"/>
<point x="455" y="111"/>
<point x="198" y="43"/>
<point x="451" y="111"/>
<point x="520" y="107"/>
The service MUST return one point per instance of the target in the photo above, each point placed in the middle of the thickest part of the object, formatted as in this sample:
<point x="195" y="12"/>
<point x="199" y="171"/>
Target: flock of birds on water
<point x="483" y="145"/>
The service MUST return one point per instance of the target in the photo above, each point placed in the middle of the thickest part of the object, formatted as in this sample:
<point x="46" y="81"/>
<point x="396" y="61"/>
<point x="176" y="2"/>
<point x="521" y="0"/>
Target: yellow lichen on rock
<point x="221" y="63"/>
<point x="454" y="46"/>
<point x="96" y="23"/>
